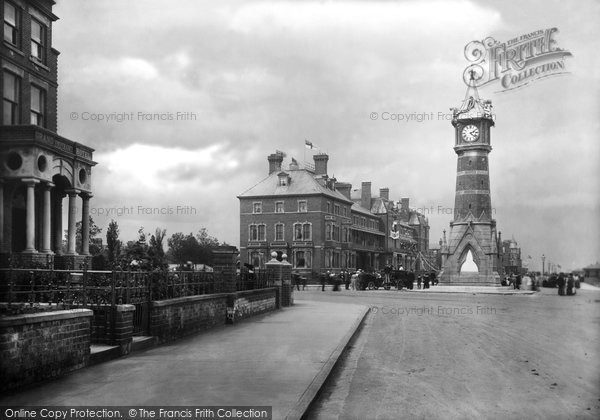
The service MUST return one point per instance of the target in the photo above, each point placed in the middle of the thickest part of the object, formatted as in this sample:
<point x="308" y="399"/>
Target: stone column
<point x="85" y="223"/>
<point x="30" y="219"/>
<point x="58" y="233"/>
<point x="71" y="237"/>
<point x="47" y="219"/>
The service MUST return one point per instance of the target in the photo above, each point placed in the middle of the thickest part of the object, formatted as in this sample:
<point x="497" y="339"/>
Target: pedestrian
<point x="346" y="278"/>
<point x="570" y="283"/>
<point x="324" y="277"/>
<point x="518" y="282"/>
<point x="561" y="284"/>
<point x="419" y="282"/>
<point x="354" y="280"/>
<point x="426" y="281"/>
<point x="304" y="282"/>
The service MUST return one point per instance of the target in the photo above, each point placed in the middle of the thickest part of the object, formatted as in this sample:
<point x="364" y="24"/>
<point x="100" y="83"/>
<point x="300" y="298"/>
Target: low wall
<point x="113" y="326"/>
<point x="36" y="347"/>
<point x="242" y="305"/>
<point x="174" y="318"/>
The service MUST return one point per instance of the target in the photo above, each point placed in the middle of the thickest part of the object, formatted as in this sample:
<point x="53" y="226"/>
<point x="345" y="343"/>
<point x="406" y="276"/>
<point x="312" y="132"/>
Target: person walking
<point x="561" y="284"/>
<point x="426" y="281"/>
<point x="354" y="280"/>
<point x="570" y="283"/>
<point x="419" y="282"/>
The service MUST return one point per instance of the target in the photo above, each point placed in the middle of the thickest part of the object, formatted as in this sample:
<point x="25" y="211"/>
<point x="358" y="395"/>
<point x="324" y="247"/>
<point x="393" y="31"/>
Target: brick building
<point x="322" y="224"/>
<point x="510" y="257"/>
<point x="39" y="168"/>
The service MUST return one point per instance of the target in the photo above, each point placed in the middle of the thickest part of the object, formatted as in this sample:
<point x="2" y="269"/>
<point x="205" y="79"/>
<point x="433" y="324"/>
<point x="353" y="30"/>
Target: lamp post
<point x="543" y="260"/>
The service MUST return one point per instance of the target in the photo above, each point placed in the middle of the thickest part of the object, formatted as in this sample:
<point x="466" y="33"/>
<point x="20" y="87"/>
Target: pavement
<point x="280" y="359"/>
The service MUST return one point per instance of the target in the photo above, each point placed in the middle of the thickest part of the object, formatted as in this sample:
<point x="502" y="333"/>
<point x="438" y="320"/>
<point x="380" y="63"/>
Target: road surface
<point x="455" y="356"/>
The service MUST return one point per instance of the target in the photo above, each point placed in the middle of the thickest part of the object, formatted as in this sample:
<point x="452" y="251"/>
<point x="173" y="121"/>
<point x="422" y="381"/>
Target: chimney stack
<point x="321" y="163"/>
<point x="344" y="188"/>
<point x="404" y="203"/>
<point x="275" y="161"/>
<point x="365" y="195"/>
<point x="384" y="193"/>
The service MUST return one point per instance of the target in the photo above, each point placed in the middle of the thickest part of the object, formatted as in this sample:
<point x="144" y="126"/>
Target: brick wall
<point x="113" y="326"/>
<point x="174" y="318"/>
<point x="37" y="347"/>
<point x="242" y="305"/>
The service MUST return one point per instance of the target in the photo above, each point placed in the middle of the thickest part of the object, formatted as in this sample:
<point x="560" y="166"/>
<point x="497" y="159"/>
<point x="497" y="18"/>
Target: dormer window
<point x="283" y="179"/>
<point x="257" y="207"/>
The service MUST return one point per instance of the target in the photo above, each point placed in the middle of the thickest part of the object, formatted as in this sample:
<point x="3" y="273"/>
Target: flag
<point x="309" y="145"/>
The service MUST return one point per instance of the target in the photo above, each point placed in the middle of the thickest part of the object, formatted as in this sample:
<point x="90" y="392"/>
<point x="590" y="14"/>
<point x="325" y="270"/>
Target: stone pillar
<point x="71" y="237"/>
<point x="224" y="262"/>
<point x="47" y="219"/>
<point x="30" y="219"/>
<point x="85" y="224"/>
<point x="58" y="233"/>
<point x="287" y="288"/>
<point x="274" y="274"/>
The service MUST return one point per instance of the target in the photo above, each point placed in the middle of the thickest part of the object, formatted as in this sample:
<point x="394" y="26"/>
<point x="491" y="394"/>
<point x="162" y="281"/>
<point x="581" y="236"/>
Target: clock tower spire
<point x="471" y="255"/>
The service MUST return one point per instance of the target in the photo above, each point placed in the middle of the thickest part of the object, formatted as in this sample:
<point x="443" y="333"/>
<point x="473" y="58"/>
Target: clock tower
<point x="470" y="256"/>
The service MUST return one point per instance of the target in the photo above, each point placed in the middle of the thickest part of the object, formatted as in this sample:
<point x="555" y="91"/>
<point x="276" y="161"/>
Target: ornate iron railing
<point x="86" y="288"/>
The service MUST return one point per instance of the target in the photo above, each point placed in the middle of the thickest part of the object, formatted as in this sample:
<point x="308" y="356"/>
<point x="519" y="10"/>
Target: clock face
<point x="470" y="133"/>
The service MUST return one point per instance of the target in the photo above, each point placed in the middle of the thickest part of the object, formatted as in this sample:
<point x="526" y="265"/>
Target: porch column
<point x="30" y="218"/>
<point x="71" y="238"/>
<point x="85" y="223"/>
<point x="47" y="219"/>
<point x="58" y="233"/>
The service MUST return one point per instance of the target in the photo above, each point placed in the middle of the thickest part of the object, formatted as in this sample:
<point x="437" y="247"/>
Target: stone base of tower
<point x="470" y="279"/>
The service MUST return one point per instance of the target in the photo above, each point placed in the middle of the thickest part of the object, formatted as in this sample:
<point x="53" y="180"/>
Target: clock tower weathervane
<point x="470" y="257"/>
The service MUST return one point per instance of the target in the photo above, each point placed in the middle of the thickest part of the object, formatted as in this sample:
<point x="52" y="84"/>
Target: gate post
<point x="281" y="274"/>
<point x="224" y="261"/>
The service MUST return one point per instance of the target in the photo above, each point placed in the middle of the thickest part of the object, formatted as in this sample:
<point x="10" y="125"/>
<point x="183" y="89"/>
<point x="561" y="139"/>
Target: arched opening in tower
<point x="469" y="266"/>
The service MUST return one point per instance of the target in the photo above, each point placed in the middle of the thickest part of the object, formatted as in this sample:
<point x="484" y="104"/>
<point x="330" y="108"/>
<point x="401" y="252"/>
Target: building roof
<point x="592" y="267"/>
<point x="356" y="207"/>
<point x="302" y="182"/>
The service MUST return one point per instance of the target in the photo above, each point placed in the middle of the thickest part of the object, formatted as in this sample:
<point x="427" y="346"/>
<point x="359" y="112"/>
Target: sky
<point x="183" y="102"/>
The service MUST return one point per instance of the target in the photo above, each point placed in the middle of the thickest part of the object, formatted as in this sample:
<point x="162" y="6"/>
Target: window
<point x="336" y="233"/>
<point x="12" y="90"/>
<point x="38" y="40"/>
<point x="328" y="229"/>
<point x="253" y="233"/>
<point x="279" y="207"/>
<point x="279" y="229"/>
<point x="262" y="232"/>
<point x="302" y="207"/>
<point x="302" y="231"/>
<point x="328" y="207"/>
<point x="257" y="232"/>
<point x="336" y="209"/>
<point x="345" y="210"/>
<point x="38" y="106"/>
<point x="302" y="259"/>
<point x="257" y="207"/>
<point x="11" y="23"/>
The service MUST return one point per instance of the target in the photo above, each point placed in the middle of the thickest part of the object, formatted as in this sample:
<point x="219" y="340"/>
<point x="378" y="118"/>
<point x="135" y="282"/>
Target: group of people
<point x="567" y="283"/>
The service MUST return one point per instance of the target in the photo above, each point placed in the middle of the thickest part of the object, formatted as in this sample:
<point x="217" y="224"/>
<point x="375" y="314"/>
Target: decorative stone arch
<point x="469" y="243"/>
<point x="63" y="168"/>
<point x="463" y="258"/>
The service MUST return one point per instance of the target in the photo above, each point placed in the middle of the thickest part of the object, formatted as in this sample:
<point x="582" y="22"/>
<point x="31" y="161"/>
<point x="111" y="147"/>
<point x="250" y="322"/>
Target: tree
<point x="137" y="250"/>
<point x="94" y="247"/>
<point x="113" y="244"/>
<point x="206" y="244"/>
<point x="183" y="248"/>
<point x="156" y="252"/>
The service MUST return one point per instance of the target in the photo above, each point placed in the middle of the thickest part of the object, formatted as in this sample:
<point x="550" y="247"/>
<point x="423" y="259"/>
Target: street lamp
<point x="543" y="259"/>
